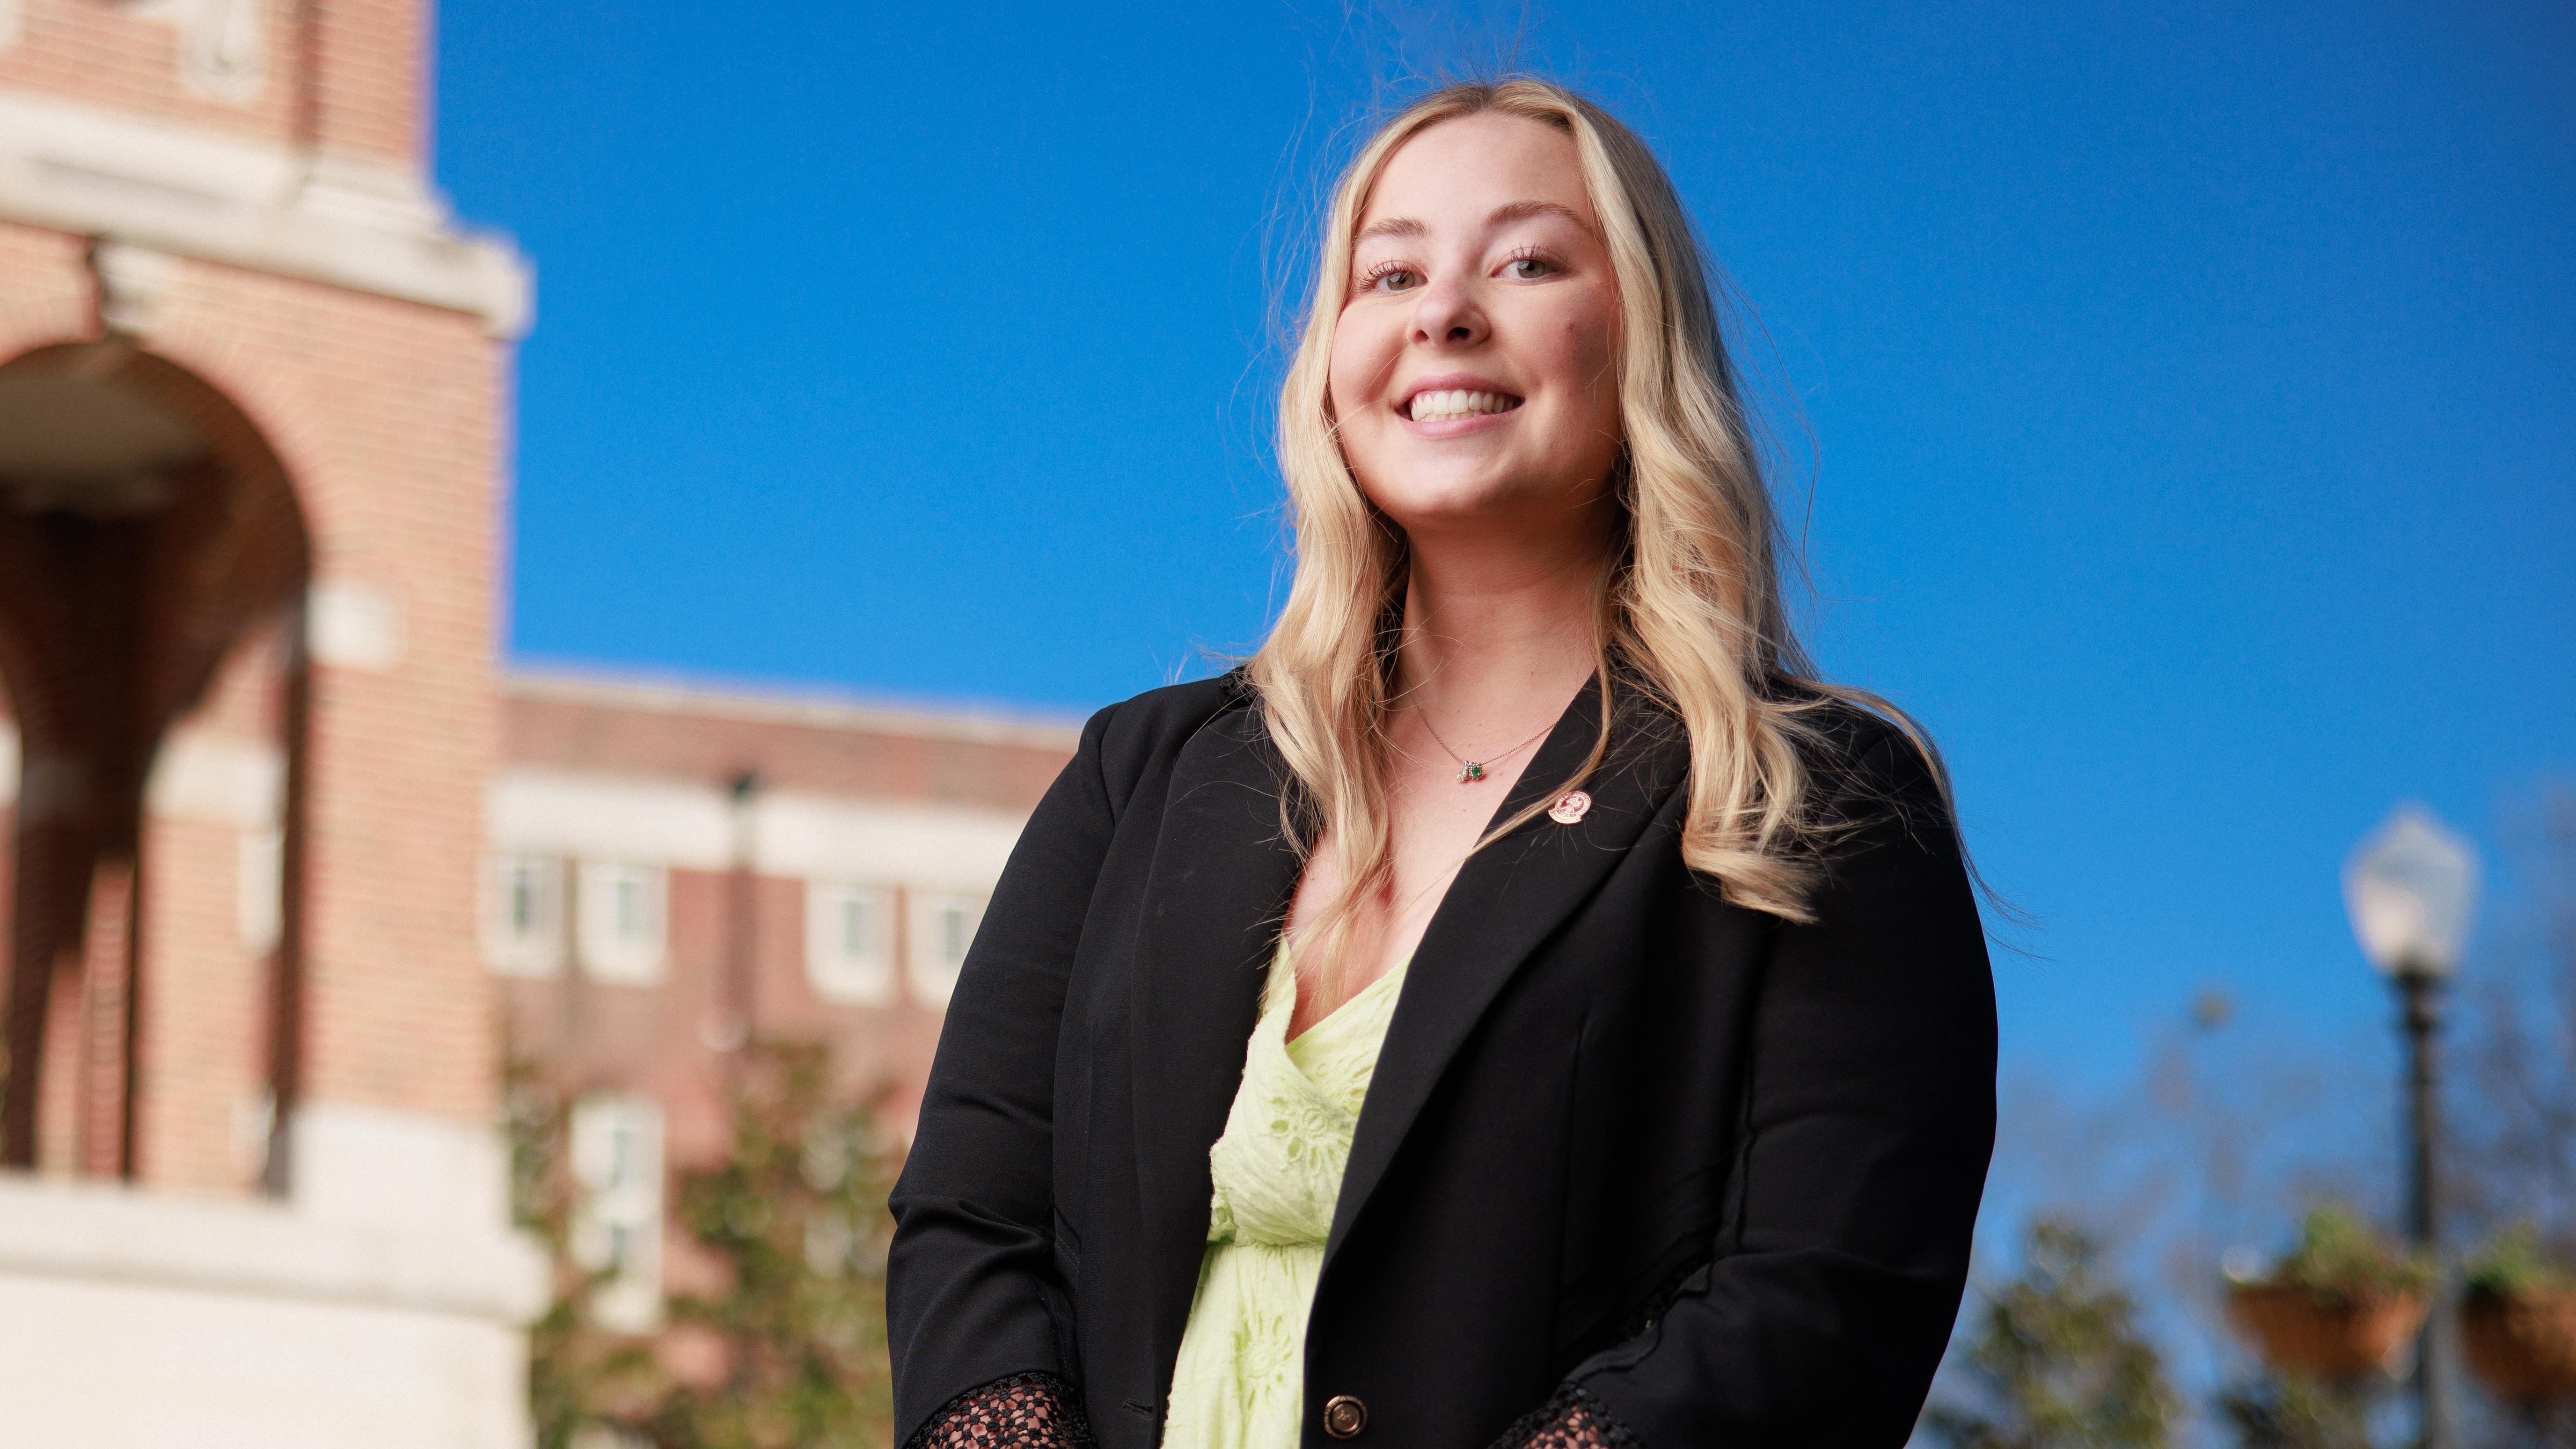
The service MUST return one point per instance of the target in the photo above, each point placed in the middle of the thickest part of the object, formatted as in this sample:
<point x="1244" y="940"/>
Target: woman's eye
<point x="1527" y="269"/>
<point x="1399" y="280"/>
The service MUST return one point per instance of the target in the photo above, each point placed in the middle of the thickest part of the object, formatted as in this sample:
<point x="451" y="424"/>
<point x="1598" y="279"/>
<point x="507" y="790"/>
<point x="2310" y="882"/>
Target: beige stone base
<point x="135" y="1319"/>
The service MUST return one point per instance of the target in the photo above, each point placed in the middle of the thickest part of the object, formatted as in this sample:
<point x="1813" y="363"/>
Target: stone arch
<point x="146" y="528"/>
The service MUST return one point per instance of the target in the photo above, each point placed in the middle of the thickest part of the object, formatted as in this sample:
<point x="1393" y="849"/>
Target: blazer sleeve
<point x="1869" y="1119"/>
<point x="973" y="1297"/>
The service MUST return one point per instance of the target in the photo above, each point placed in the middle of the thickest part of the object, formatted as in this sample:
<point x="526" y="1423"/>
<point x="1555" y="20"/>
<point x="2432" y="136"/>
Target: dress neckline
<point x="1394" y="973"/>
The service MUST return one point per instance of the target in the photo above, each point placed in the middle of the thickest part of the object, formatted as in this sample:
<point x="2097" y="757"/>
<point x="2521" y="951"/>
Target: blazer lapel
<point x="1504" y="903"/>
<point x="1217" y="893"/>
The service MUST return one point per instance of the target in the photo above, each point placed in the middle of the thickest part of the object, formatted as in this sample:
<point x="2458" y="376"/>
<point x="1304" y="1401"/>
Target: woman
<point x="1522" y="1005"/>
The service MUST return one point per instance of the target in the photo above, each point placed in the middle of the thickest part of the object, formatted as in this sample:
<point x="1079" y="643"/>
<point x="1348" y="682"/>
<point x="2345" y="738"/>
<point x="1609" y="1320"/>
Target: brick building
<point x="252" y="388"/>
<point x="286" y="858"/>
<point x="674" y="871"/>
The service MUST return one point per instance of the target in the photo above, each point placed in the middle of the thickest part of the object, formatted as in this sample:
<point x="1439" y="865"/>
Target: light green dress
<point x="1240" y="1381"/>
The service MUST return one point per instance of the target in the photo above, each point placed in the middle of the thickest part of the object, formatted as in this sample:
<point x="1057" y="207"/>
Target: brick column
<point x="364" y="80"/>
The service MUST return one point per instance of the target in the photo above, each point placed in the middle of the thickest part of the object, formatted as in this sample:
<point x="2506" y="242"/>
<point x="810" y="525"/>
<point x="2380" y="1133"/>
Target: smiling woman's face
<point x="1475" y="366"/>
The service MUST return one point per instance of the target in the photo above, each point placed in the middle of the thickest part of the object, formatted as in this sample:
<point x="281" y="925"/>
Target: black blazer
<point x="1719" y="1170"/>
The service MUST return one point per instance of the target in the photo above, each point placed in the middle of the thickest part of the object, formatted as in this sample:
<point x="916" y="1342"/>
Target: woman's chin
<point x="1453" y="504"/>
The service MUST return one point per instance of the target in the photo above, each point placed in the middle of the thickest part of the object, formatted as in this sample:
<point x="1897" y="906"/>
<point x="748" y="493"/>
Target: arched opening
<point x="146" y="530"/>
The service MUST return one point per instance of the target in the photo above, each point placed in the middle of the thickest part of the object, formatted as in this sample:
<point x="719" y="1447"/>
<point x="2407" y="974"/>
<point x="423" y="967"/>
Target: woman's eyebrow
<point x="1392" y="226"/>
<point x="1508" y="212"/>
<point x="1524" y="210"/>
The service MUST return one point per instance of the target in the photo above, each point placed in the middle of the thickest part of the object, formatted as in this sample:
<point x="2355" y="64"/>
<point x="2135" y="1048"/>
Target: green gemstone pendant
<point x="1470" y="772"/>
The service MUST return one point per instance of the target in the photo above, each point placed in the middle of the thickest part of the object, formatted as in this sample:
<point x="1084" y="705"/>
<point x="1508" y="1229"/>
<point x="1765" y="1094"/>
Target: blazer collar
<point x="1506" y="901"/>
<point x="1217" y="893"/>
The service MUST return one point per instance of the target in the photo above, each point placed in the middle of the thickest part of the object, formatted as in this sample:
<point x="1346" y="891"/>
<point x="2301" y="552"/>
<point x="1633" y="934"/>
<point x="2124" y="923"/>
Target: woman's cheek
<point x="1346" y="377"/>
<point x="1592" y="357"/>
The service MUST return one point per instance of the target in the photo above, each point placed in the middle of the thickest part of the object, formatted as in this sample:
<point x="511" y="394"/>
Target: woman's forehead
<point x="1476" y="169"/>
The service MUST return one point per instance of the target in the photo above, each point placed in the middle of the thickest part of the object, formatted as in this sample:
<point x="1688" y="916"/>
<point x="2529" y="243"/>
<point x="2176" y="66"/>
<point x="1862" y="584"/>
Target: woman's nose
<point x="1447" y="317"/>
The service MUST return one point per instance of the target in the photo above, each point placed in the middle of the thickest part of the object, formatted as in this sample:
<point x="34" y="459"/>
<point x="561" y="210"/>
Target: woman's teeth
<point x="1437" y="407"/>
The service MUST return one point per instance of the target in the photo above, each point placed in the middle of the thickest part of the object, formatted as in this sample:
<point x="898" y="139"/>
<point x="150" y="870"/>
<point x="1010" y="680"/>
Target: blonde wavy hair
<point x="1688" y="610"/>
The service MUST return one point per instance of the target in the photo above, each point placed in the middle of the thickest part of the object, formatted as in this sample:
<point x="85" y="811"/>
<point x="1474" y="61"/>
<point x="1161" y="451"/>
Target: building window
<point x="849" y="943"/>
<point x="622" y="924"/>
<point x="617" y="1211"/>
<point x="523" y="915"/>
<point x="943" y="926"/>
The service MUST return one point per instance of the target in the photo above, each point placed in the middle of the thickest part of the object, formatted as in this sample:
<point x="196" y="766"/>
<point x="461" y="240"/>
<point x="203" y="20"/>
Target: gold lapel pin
<point x="1569" y="807"/>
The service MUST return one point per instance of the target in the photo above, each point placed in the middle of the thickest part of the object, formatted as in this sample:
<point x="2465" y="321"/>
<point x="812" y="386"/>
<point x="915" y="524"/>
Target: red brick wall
<point x="84" y="50"/>
<point x="388" y="416"/>
<point x="45" y="290"/>
<point x="205" y="1020"/>
<point x="205" y="1016"/>
<point x="370" y="59"/>
<point x="355" y="85"/>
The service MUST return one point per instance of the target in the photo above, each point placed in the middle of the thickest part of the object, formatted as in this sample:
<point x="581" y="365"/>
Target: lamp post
<point x="2411" y="888"/>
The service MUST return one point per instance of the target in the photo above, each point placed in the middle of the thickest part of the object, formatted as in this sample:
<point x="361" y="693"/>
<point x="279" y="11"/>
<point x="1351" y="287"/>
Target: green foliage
<point x="577" y="1374"/>
<point x="2058" y="1361"/>
<point x="2341" y="1259"/>
<point x="2514" y="1263"/>
<point x="790" y="1353"/>
<point x="798" y="1216"/>
<point x="2288" y="1411"/>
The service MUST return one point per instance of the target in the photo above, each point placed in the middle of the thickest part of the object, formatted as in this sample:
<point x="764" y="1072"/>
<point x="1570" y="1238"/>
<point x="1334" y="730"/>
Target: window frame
<point x="619" y="1198"/>
<point x="838" y="974"/>
<point x="538" y="954"/>
<point x="607" y="954"/>
<point x="933" y="978"/>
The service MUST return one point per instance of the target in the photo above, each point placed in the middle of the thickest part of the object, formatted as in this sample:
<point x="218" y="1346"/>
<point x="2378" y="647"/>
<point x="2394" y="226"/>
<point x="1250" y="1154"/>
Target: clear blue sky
<point x="2190" y="388"/>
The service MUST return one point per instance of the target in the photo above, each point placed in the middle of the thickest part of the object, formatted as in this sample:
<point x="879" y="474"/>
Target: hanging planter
<point x="2522" y="1345"/>
<point x="2345" y="1304"/>
<point x="2519" y="1322"/>
<point x="2335" y="1336"/>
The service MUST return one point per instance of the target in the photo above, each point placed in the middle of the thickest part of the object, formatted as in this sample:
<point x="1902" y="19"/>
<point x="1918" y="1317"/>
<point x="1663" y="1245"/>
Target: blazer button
<point x="1344" y="1416"/>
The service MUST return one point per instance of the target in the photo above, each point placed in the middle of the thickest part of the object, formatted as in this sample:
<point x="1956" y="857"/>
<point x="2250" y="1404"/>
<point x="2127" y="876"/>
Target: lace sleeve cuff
<point x="1024" y="1411"/>
<point x="1570" y="1419"/>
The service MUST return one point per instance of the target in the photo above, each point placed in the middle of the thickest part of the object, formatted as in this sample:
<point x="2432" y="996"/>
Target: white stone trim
<point x="609" y="817"/>
<point x="815" y="837"/>
<point x="259" y="890"/>
<point x="223" y="48"/>
<point x="223" y="44"/>
<point x="132" y="284"/>
<point x="110" y="1365"/>
<point x="833" y="838"/>
<point x="80" y="168"/>
<point x="195" y="775"/>
<point x="350" y="625"/>
<point x="218" y="780"/>
<point x="382" y="1230"/>
<point x="383" y="1305"/>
